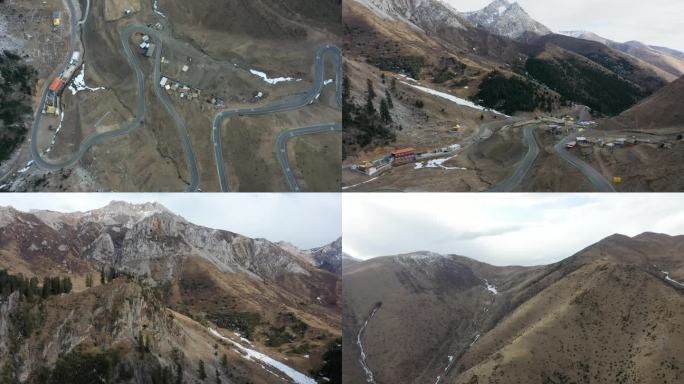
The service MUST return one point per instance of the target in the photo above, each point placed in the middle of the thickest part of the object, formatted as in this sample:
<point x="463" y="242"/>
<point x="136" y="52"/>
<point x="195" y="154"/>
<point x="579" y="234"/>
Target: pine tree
<point x="394" y="85"/>
<point x="218" y="377"/>
<point x="384" y="111"/>
<point x="141" y="342"/>
<point x="224" y="361"/>
<point x="89" y="280"/>
<point x="382" y="77"/>
<point x="47" y="287"/>
<point x="179" y="374"/>
<point x="201" y="373"/>
<point x="66" y="284"/>
<point x="103" y="280"/>
<point x="388" y="97"/>
<point x="371" y="91"/>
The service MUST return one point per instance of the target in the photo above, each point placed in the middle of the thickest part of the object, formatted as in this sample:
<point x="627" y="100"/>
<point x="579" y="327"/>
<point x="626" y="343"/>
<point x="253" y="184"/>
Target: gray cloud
<point x="306" y="220"/>
<point x="501" y="229"/>
<point x="654" y="22"/>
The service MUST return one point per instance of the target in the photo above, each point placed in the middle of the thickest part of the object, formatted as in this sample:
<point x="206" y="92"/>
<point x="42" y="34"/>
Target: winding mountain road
<point x="137" y="121"/>
<point x="282" y="106"/>
<point x="281" y="147"/>
<point x="524" y="166"/>
<point x="597" y="180"/>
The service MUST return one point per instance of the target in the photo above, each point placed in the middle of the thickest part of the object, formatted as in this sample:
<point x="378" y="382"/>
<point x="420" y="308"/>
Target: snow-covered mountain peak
<point x="506" y="18"/>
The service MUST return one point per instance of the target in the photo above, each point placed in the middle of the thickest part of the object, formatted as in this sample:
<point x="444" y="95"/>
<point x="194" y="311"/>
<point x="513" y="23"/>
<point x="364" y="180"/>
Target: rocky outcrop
<point x="504" y="18"/>
<point x="146" y="240"/>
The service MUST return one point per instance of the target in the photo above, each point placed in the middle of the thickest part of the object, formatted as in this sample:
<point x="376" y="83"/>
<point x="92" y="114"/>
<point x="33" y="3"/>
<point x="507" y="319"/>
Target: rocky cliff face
<point x="145" y="239"/>
<point x="504" y="18"/>
<point x="329" y="257"/>
<point x="150" y="321"/>
<point x="429" y="15"/>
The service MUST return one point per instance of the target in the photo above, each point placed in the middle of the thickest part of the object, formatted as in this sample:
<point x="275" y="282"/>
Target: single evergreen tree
<point x="112" y="274"/>
<point x="66" y="284"/>
<point x="179" y="373"/>
<point x="224" y="361"/>
<point x="371" y="91"/>
<point x="55" y="286"/>
<point x="382" y="77"/>
<point x="388" y="97"/>
<point x="103" y="279"/>
<point x="202" y="375"/>
<point x="384" y="111"/>
<point x="47" y="287"/>
<point x="141" y="342"/>
<point x="394" y="85"/>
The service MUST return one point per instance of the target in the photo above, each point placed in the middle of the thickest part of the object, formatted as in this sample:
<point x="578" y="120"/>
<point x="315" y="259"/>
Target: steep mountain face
<point x="642" y="74"/>
<point x="508" y="19"/>
<point x="329" y="256"/>
<point x="661" y="110"/>
<point x="429" y="15"/>
<point x="610" y="313"/>
<point x="668" y="60"/>
<point x="165" y="279"/>
<point x="141" y="239"/>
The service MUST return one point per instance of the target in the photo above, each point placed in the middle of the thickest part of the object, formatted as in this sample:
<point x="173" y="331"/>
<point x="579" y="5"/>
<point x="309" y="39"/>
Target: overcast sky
<point x="655" y="22"/>
<point x="306" y="220"/>
<point x="501" y="229"/>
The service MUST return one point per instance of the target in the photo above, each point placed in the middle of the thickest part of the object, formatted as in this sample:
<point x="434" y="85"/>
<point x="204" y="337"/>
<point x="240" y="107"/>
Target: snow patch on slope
<point x="362" y="357"/>
<point x="668" y="278"/>
<point x="438" y="163"/>
<point x="491" y="288"/>
<point x="251" y="354"/>
<point x="272" y="81"/>
<point x="156" y="9"/>
<point x="79" y="83"/>
<point x="457" y="100"/>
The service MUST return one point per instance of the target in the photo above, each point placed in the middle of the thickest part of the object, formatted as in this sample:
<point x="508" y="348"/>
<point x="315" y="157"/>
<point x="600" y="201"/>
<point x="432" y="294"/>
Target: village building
<point x="404" y="156"/>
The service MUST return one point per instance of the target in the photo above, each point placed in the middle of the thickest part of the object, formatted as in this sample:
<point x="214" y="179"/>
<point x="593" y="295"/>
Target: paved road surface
<point x="281" y="147"/>
<point x="521" y="170"/>
<point x="280" y="106"/>
<point x="597" y="180"/>
<point x="95" y="138"/>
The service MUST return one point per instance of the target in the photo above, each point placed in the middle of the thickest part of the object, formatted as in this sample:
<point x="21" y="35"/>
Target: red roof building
<point x="56" y="85"/>
<point x="404" y="156"/>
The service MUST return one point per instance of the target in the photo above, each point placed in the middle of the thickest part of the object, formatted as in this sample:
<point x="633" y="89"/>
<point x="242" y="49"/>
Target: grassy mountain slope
<point x="608" y="314"/>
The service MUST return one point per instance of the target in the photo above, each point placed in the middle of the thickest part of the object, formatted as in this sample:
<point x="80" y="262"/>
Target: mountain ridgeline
<point x="517" y="63"/>
<point x="136" y="293"/>
<point x="611" y="313"/>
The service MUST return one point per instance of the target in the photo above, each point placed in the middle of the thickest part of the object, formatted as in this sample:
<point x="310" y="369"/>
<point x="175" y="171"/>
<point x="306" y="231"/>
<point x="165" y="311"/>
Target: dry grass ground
<point x="316" y="159"/>
<point x="249" y="145"/>
<point x="605" y="315"/>
<point x="552" y="174"/>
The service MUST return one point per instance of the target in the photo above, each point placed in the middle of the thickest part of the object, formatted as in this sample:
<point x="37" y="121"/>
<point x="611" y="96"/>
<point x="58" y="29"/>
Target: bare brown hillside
<point x="612" y="313"/>
<point x="661" y="110"/>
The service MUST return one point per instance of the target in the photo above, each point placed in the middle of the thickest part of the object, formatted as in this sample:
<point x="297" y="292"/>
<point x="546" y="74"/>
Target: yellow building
<point x="56" y="19"/>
